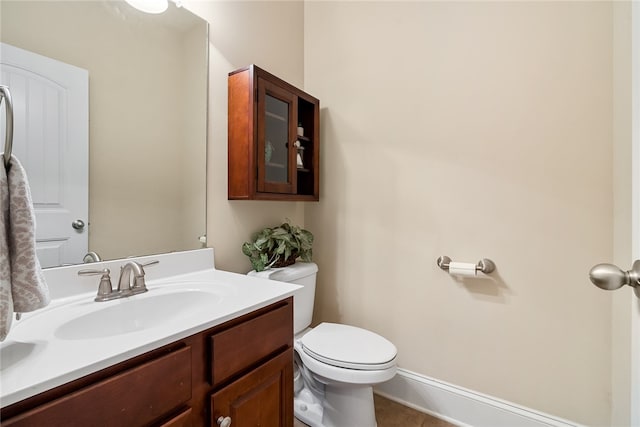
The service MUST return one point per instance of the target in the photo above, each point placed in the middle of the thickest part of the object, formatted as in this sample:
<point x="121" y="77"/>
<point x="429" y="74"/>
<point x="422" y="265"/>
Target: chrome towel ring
<point x="8" y="141"/>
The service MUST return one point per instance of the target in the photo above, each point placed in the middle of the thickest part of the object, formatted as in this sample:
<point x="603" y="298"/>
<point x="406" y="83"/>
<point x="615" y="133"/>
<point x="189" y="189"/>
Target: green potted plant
<point x="279" y="246"/>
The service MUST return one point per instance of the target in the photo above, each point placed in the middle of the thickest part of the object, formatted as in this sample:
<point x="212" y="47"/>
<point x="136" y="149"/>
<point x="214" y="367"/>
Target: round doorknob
<point x="611" y="277"/>
<point x="224" y="421"/>
<point x="608" y="277"/>
<point x="78" y="224"/>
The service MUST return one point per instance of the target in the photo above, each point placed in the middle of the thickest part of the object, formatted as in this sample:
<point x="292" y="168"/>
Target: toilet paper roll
<point x="462" y="269"/>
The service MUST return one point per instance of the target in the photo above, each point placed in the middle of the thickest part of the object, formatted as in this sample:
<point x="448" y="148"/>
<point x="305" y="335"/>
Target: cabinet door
<point x="263" y="397"/>
<point x="277" y="112"/>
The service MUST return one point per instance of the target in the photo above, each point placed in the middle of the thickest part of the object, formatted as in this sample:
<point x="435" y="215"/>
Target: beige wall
<point x="137" y="140"/>
<point x="270" y="35"/>
<point x="472" y="130"/>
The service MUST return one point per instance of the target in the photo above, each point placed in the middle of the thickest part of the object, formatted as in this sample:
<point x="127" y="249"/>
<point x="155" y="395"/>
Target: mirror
<point x="148" y="77"/>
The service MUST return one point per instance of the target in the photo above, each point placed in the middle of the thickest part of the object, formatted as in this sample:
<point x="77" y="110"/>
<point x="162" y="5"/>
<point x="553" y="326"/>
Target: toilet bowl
<point x="336" y="366"/>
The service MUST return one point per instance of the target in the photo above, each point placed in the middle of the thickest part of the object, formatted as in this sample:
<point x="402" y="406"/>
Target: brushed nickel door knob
<point x="610" y="277"/>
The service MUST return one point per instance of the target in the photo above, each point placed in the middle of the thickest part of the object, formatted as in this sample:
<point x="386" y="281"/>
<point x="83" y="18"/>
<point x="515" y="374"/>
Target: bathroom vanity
<point x="233" y="369"/>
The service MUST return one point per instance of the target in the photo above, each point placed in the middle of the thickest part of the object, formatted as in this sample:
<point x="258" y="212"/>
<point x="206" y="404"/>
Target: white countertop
<point x="36" y="357"/>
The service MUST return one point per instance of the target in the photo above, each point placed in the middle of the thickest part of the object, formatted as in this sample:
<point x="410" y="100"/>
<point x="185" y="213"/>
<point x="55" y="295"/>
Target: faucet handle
<point x="146" y="264"/>
<point x="104" y="289"/>
<point x="94" y="272"/>
<point x="138" y="284"/>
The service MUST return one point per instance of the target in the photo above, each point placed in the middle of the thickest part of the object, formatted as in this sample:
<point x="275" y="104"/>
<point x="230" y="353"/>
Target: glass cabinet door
<point x="276" y="134"/>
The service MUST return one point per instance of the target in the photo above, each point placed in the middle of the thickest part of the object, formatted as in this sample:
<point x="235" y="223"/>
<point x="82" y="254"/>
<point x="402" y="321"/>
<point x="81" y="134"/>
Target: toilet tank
<point x="303" y="274"/>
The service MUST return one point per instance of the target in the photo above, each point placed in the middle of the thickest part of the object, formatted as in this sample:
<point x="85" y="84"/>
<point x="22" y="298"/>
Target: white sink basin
<point x="136" y="314"/>
<point x="12" y="353"/>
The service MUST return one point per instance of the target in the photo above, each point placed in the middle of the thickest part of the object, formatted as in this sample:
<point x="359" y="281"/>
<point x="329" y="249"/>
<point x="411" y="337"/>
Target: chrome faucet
<point x="127" y="285"/>
<point x="137" y="285"/>
<point x="105" y="291"/>
<point x="91" y="257"/>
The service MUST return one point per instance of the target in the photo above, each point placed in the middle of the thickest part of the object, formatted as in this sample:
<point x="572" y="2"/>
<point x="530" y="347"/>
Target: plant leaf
<point x="246" y="249"/>
<point x="257" y="264"/>
<point x="307" y="256"/>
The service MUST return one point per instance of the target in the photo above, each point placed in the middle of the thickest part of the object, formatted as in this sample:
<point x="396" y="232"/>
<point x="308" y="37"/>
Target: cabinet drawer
<point x="183" y="419"/>
<point x="241" y="346"/>
<point x="134" y="397"/>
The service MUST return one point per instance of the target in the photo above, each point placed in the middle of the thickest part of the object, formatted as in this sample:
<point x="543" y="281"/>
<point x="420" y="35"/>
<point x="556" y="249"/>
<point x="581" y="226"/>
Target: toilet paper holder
<point x="485" y="265"/>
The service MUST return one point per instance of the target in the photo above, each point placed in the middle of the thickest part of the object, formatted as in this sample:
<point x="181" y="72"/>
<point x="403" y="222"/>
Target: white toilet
<point x="336" y="366"/>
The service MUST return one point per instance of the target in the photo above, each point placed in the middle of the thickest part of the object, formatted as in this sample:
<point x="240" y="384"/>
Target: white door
<point x="625" y="345"/>
<point x="50" y="138"/>
<point x="625" y="366"/>
<point x="635" y="135"/>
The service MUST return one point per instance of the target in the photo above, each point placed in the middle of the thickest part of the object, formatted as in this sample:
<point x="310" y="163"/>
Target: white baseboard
<point x="460" y="406"/>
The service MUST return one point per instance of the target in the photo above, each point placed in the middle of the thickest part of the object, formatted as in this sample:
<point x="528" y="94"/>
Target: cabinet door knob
<point x="224" y="421"/>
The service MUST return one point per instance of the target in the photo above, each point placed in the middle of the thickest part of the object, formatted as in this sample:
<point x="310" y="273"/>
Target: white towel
<point x="22" y="284"/>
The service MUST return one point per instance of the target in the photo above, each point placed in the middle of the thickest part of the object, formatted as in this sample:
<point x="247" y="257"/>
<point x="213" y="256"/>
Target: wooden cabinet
<point x="263" y="394"/>
<point x="183" y="419"/>
<point x="242" y="369"/>
<point x="274" y="137"/>
<point x="135" y="396"/>
<point x="259" y="398"/>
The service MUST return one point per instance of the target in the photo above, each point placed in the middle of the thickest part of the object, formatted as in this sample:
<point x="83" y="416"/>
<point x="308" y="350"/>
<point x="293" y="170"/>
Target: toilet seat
<point x="349" y="347"/>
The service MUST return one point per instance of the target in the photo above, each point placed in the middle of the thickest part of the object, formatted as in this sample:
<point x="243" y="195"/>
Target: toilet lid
<point x="349" y="347"/>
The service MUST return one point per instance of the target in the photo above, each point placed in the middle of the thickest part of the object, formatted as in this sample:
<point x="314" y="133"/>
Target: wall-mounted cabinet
<point x="274" y="137"/>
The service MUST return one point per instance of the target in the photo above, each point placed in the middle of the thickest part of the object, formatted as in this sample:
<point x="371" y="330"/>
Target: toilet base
<point x="307" y="408"/>
<point x="342" y="405"/>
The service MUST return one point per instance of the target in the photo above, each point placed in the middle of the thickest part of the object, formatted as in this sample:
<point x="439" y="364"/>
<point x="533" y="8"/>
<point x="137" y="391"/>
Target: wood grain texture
<point x="183" y="419"/>
<point x="246" y="141"/>
<point x="241" y="136"/>
<point x="135" y="397"/>
<point x="260" y="398"/>
<point x="246" y="344"/>
<point x="266" y="88"/>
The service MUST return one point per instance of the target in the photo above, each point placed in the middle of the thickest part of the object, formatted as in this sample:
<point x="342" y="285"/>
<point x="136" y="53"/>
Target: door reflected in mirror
<point x="147" y="113"/>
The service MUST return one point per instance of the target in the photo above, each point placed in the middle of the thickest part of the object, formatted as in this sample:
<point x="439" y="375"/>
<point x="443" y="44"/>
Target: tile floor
<point x="392" y="414"/>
